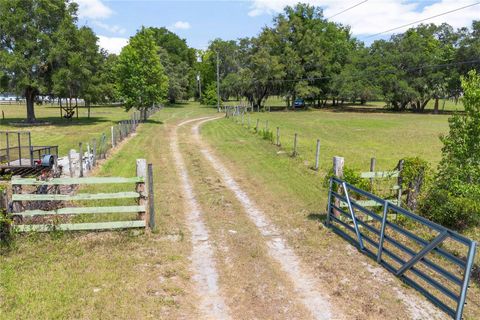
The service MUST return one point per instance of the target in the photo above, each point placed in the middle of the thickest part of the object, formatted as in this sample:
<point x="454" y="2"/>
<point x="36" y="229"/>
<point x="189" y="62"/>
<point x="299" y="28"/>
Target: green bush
<point x="453" y="211"/>
<point x="454" y="198"/>
<point x="351" y="176"/>
<point x="209" y="96"/>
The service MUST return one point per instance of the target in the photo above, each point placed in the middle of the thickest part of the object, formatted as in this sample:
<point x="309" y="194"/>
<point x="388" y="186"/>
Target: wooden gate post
<point x="142" y="190"/>
<point x="338" y="163"/>
<point x="151" y="199"/>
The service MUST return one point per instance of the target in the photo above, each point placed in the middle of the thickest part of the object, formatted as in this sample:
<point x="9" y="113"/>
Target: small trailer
<point x="19" y="157"/>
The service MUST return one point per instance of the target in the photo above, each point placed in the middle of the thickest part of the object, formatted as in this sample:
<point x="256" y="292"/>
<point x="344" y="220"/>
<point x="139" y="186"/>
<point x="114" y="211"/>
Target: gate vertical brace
<point x="466" y="279"/>
<point x="329" y="203"/>
<point x="354" y="219"/>
<point x="382" y="231"/>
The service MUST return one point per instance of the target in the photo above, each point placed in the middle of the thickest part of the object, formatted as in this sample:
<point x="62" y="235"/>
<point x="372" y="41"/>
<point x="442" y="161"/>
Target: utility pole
<point x="218" y="82"/>
<point x="199" y="87"/>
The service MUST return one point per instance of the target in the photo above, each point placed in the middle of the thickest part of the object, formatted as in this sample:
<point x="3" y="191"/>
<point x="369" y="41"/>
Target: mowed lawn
<point x="64" y="133"/>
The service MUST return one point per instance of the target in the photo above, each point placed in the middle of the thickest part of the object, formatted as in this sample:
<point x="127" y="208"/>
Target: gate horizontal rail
<point x="425" y="264"/>
<point x="144" y="207"/>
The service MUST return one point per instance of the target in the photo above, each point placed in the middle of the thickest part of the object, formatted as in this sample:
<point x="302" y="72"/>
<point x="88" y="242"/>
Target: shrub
<point x="454" y="199"/>
<point x="351" y="176"/>
<point x="209" y="96"/>
<point x="416" y="178"/>
<point x="450" y="210"/>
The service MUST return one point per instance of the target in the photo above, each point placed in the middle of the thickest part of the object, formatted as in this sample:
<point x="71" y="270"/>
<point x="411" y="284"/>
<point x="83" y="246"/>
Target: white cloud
<point x="112" y="44"/>
<point x="378" y="15"/>
<point x="111" y="28"/>
<point x="93" y="9"/>
<point x="183" y="25"/>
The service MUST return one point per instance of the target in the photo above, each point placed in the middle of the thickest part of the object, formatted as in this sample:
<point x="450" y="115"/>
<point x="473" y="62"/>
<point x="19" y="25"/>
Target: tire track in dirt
<point x="211" y="303"/>
<point x="305" y="284"/>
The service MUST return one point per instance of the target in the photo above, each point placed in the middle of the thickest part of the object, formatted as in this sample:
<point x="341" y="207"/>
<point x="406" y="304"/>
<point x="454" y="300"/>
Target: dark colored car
<point x="299" y="103"/>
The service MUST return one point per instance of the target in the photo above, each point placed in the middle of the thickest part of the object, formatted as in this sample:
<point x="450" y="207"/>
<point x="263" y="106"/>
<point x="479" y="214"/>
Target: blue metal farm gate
<point x="432" y="259"/>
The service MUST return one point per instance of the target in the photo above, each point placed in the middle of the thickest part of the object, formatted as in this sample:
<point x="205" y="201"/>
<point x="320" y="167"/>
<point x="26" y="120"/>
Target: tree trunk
<point x="424" y="105"/>
<point x="435" y="107"/>
<point x="414" y="189"/>
<point x="30" y="94"/>
<point x="88" y="108"/>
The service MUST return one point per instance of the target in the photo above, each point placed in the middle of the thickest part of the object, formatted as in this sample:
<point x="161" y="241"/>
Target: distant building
<point x="6" y="96"/>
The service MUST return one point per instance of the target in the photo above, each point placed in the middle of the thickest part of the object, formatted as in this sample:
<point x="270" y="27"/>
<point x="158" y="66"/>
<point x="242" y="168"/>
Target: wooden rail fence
<point x="144" y="208"/>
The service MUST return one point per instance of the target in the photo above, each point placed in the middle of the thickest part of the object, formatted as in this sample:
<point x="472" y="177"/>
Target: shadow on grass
<point x="53" y="121"/>
<point x="315" y="216"/>
<point x="366" y="109"/>
<point x="152" y="121"/>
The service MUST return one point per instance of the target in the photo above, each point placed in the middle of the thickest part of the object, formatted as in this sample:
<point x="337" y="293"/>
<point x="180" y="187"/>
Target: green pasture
<point x="66" y="133"/>
<point x="448" y="105"/>
<point x="355" y="136"/>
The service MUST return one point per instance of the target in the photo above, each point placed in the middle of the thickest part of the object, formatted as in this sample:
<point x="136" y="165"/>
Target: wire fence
<point x="76" y="164"/>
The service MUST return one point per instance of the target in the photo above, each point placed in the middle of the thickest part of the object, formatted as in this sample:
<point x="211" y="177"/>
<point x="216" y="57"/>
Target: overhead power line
<point x="430" y="66"/>
<point x="425" y="19"/>
<point x="345" y="10"/>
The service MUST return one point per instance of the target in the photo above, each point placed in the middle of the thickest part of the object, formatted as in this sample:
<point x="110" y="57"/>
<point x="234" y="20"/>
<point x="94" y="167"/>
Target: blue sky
<point x="201" y="21"/>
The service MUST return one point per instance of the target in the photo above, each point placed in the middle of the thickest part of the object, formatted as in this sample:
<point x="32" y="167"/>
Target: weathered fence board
<point x="80" y="226"/>
<point x="76" y="197"/>
<point x="379" y="174"/>
<point x="144" y="209"/>
<point x="76" y="181"/>
<point x="82" y="210"/>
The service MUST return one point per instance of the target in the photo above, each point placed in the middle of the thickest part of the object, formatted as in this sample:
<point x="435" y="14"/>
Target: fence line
<point x="98" y="148"/>
<point x="238" y="113"/>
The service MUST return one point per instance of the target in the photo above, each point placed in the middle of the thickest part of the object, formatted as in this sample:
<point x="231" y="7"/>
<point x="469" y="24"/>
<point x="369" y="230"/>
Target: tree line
<point x="303" y="55"/>
<point x="43" y="52"/>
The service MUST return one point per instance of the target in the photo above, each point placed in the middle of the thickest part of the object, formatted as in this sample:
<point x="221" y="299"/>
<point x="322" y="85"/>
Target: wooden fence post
<point x="94" y="159"/>
<point x="266" y="126"/>
<point x="16" y="189"/>
<point x="113" y="136"/>
<point x="278" y="136"/>
<point x="70" y="163"/>
<point x="256" y="127"/>
<point x="248" y="121"/>
<point x="338" y="163"/>
<point x="141" y="189"/>
<point x="80" y="158"/>
<point x="373" y="161"/>
<point x="295" y="138"/>
<point x="317" y="155"/>
<point x="4" y="201"/>
<point x="151" y="200"/>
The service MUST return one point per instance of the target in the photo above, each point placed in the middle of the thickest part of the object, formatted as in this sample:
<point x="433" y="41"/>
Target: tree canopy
<point x="141" y="79"/>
